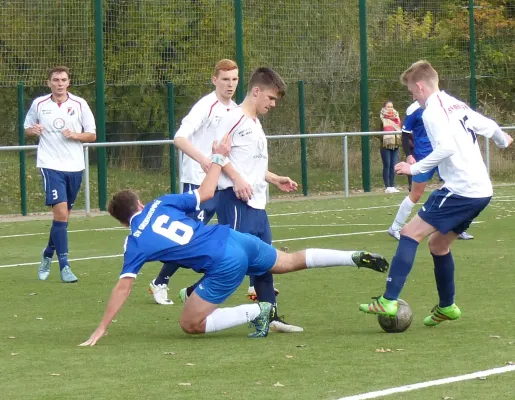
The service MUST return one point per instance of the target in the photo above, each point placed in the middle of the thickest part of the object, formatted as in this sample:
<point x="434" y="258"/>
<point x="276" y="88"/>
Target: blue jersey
<point x="414" y="125"/>
<point x="163" y="232"/>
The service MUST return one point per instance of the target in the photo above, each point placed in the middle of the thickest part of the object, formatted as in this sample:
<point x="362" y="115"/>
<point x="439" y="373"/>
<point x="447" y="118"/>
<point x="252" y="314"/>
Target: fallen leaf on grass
<point x="258" y="383"/>
<point x="32" y="294"/>
<point x="184" y="384"/>
<point x="288" y="356"/>
<point x="11" y="337"/>
<point x="190" y="364"/>
<point x="40" y="318"/>
<point x="55" y="374"/>
<point x="278" y="384"/>
<point x="15" y="316"/>
<point x="382" y="350"/>
<point x="482" y="378"/>
<point x="494" y="337"/>
<point x="447" y="398"/>
<point x="301" y="345"/>
<point x="399" y="349"/>
<point x="509" y="363"/>
<point x="14" y="354"/>
<point x="169" y="353"/>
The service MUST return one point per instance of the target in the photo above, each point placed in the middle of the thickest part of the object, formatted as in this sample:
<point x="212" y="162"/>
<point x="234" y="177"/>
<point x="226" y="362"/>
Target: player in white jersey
<point x="243" y="185"/>
<point x="452" y="128"/>
<point x="194" y="139"/>
<point x="62" y="122"/>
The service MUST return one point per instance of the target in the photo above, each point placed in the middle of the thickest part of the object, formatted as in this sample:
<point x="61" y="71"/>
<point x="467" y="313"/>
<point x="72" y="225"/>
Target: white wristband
<point x="218" y="159"/>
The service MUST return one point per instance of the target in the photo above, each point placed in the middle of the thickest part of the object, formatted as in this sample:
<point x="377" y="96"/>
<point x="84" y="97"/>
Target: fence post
<point x="303" y="150"/>
<point x="472" y="52"/>
<point x="238" y="30"/>
<point x="171" y="134"/>
<point x="365" y="140"/>
<point x="100" y="105"/>
<point x="21" y="142"/>
<point x="87" y="188"/>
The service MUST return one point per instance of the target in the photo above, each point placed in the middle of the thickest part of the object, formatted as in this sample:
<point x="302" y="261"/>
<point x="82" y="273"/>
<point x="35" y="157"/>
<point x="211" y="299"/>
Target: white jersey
<point x="452" y="128"/>
<point x="54" y="150"/>
<point x="249" y="154"/>
<point x="199" y="127"/>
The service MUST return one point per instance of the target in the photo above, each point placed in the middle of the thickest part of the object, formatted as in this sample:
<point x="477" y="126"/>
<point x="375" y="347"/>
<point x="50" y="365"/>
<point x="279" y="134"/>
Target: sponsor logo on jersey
<point x="58" y="123"/>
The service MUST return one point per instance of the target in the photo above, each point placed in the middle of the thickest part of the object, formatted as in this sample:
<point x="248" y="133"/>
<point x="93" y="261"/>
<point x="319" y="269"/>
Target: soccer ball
<point x="400" y="322"/>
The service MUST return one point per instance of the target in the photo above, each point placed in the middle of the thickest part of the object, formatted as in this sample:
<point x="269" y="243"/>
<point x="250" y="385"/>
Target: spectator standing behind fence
<point x="390" y="145"/>
<point x="62" y="122"/>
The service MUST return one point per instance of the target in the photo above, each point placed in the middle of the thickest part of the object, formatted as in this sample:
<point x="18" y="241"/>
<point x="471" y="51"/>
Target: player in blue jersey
<point x="161" y="231"/>
<point x="414" y="126"/>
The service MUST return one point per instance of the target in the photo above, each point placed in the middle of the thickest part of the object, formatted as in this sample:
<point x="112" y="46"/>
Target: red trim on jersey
<point x="236" y="124"/>
<point x="211" y="109"/>
<point x="441" y="105"/>
<point x="42" y="101"/>
<point x="80" y="104"/>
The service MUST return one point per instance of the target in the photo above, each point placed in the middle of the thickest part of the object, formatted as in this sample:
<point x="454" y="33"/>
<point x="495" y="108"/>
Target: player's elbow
<point x="205" y="194"/>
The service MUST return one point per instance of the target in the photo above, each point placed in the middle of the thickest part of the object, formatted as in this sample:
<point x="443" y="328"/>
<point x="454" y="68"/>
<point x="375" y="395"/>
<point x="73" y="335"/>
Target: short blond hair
<point x="420" y="71"/>
<point x="58" y="70"/>
<point x="224" y="65"/>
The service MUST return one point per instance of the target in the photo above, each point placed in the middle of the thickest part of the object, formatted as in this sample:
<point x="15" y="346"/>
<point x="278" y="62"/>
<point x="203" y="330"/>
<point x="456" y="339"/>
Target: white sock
<point x="319" y="258"/>
<point x="403" y="214"/>
<point x="223" y="318"/>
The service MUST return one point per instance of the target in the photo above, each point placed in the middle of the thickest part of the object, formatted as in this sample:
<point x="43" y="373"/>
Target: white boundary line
<point x="72" y="231"/>
<point x="75" y="259"/>
<point x="273" y="241"/>
<point x="438" y="382"/>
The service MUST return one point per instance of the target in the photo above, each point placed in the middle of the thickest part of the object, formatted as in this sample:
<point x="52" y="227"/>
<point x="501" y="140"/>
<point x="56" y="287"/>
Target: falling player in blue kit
<point x="452" y="128"/>
<point x="161" y="231"/>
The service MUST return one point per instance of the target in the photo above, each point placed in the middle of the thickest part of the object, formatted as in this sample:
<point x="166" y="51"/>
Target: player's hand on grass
<point x="95" y="337"/>
<point x="285" y="184"/>
<point x="242" y="189"/>
<point x="411" y="160"/>
<point x="403" y="168"/>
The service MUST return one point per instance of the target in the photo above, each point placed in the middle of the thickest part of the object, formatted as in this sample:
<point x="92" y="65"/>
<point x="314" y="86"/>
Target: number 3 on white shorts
<point x="171" y="231"/>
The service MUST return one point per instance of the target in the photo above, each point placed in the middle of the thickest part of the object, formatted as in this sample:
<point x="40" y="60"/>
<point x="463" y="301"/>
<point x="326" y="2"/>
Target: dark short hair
<point x="58" y="69"/>
<point x="267" y="78"/>
<point x="123" y="206"/>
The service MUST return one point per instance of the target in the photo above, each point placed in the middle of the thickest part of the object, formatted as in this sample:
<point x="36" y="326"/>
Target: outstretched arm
<point x="118" y="297"/>
<point x="284" y="183"/>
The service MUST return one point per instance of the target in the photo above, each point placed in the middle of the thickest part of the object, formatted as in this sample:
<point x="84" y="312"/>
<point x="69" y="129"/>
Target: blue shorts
<point x="61" y="186"/>
<point x="207" y="208"/>
<point x="241" y="217"/>
<point x="426" y="176"/>
<point x="450" y="212"/>
<point x="244" y="255"/>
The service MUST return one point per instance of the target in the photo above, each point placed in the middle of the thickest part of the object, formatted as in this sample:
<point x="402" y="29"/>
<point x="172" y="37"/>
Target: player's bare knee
<point x="189" y="326"/>
<point x="438" y="245"/>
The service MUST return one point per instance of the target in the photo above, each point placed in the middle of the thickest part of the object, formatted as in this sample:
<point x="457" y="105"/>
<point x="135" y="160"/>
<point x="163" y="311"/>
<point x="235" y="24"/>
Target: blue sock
<point x="251" y="280"/>
<point x="50" y="248"/>
<point x="59" y="236"/>
<point x="444" y="276"/>
<point x="401" y="266"/>
<point x="264" y="286"/>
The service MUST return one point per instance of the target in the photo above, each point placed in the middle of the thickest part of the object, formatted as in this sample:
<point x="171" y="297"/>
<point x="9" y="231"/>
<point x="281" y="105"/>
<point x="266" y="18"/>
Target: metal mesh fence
<point x="152" y="42"/>
<point x="36" y="35"/>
